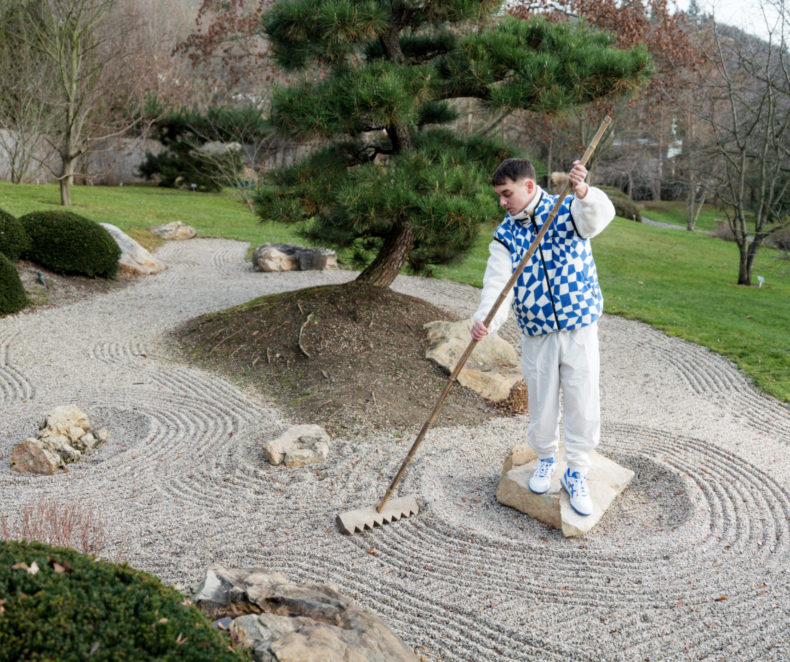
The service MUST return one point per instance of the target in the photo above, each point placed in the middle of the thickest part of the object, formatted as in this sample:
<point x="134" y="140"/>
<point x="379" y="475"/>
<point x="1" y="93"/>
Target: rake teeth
<point x="357" y="521"/>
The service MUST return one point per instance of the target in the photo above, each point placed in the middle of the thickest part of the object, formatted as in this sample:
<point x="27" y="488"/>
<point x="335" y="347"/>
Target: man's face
<point x="514" y="196"/>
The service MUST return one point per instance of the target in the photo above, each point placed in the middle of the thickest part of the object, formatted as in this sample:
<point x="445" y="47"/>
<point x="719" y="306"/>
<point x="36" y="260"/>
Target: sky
<point x="744" y="14"/>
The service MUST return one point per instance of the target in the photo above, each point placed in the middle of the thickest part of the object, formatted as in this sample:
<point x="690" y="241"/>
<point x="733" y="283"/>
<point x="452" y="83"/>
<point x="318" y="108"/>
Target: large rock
<point x="286" y="622"/>
<point x="605" y="480"/>
<point x="298" y="445"/>
<point x="492" y="370"/>
<point x="175" y="231"/>
<point x="134" y="260"/>
<point x="290" y="257"/>
<point x="63" y="437"/>
<point x="31" y="456"/>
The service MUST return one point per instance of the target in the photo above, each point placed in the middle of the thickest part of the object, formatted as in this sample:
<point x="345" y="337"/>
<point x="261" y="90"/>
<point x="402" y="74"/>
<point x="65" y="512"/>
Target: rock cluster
<point x="134" y="260"/>
<point x="290" y="257"/>
<point x="64" y="437"/>
<point x="175" y="231"/>
<point x="605" y="480"/>
<point x="493" y="369"/>
<point x="285" y="622"/>
<point x="299" y="445"/>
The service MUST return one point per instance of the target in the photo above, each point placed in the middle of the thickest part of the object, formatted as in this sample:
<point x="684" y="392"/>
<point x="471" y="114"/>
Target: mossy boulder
<point x="70" y="244"/>
<point x="13" y="238"/>
<point x="58" y="604"/>
<point x="12" y="292"/>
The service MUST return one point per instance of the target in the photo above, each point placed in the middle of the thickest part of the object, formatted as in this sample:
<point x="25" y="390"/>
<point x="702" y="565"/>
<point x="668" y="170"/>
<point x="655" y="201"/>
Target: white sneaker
<point x="575" y="485"/>
<point x="540" y="481"/>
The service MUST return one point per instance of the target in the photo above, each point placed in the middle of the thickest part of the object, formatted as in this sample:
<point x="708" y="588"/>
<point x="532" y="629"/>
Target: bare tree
<point x="24" y="120"/>
<point x="748" y="111"/>
<point x="73" y="42"/>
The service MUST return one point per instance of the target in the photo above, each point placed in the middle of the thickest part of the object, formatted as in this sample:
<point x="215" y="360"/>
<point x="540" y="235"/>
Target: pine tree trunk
<point x="391" y="258"/>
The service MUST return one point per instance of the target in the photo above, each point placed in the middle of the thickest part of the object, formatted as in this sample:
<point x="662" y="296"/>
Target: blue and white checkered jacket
<point x="558" y="290"/>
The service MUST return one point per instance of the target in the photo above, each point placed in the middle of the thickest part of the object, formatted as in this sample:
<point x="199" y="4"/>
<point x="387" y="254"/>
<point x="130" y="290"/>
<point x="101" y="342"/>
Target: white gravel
<point x="690" y="563"/>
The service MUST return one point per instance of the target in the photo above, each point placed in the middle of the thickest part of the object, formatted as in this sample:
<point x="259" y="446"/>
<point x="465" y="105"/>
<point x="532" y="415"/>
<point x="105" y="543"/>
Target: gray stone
<point x="299" y="445"/>
<point x="492" y="370"/>
<point x="135" y="260"/>
<point x="290" y="257"/>
<point x="175" y="231"/>
<point x="605" y="480"/>
<point x="286" y="622"/>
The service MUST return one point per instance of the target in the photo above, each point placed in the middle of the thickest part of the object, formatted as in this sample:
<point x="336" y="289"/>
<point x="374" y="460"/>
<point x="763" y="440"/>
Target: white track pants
<point x="566" y="360"/>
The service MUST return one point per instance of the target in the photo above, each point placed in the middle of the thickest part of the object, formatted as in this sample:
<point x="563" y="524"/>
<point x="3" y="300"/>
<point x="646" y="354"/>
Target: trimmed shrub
<point x="58" y="604"/>
<point x="624" y="206"/>
<point x="70" y="244"/>
<point x="13" y="238"/>
<point x="12" y="292"/>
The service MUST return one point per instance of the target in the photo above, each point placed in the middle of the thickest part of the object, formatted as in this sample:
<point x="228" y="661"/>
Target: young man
<point x="557" y="302"/>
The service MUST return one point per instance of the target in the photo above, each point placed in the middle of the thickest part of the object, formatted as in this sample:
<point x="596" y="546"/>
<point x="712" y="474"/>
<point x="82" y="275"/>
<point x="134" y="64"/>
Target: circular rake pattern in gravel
<point x="14" y="385"/>
<point x="694" y="522"/>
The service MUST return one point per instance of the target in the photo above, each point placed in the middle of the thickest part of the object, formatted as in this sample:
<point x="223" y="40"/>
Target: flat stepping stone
<point x="605" y="480"/>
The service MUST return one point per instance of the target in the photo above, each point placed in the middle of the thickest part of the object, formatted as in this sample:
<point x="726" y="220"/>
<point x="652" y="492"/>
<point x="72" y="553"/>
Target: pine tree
<point x="379" y="78"/>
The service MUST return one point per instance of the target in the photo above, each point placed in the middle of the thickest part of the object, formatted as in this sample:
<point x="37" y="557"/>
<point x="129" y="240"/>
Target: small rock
<point x="62" y="419"/>
<point x="31" y="457"/>
<point x="64" y="437"/>
<point x="285" y="622"/>
<point x="290" y="257"/>
<point x="299" y="445"/>
<point x="175" y="231"/>
<point x="492" y="370"/>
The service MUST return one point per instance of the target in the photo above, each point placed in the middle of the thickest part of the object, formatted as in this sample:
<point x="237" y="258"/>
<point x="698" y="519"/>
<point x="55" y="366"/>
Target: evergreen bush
<point x="12" y="293"/>
<point x="13" y="238"/>
<point x="70" y="244"/>
<point x="188" y="158"/>
<point x="624" y="206"/>
<point x="58" y="604"/>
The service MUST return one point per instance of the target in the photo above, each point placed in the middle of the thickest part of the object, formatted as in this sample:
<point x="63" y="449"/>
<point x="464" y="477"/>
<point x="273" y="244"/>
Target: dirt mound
<point x="350" y="357"/>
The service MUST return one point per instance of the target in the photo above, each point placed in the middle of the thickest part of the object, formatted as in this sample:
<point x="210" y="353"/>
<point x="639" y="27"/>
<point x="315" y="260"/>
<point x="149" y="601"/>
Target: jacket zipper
<point x="546" y="272"/>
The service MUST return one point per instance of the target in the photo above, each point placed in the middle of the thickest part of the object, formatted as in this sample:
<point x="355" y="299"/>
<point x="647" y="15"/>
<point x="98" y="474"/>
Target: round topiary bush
<point x="12" y="293"/>
<point x="624" y="206"/>
<point x="58" y="604"/>
<point x="70" y="244"/>
<point x="13" y="238"/>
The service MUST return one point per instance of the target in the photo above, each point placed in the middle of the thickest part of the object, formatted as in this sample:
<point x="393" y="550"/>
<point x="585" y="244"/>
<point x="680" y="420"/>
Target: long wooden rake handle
<point x="491" y="313"/>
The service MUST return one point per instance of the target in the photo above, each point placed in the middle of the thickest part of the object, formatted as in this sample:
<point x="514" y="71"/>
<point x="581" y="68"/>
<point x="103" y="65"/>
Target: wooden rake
<point x="388" y="510"/>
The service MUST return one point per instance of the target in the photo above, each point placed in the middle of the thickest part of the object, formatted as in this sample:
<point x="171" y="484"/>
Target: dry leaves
<point x="31" y="569"/>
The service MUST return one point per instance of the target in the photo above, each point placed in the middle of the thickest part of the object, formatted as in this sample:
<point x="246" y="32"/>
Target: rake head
<point x="353" y="521"/>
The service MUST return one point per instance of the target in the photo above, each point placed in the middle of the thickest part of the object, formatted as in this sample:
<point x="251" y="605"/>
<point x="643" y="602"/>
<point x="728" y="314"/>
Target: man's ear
<point x="530" y="186"/>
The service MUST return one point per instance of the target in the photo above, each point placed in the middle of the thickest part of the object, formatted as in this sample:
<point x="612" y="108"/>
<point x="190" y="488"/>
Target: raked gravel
<point x="690" y="563"/>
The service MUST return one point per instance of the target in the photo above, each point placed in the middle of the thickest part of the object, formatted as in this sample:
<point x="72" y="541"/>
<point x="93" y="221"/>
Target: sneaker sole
<point x="565" y="487"/>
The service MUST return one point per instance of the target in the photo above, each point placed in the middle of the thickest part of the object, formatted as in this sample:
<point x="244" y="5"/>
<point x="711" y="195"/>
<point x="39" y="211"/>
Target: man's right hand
<point x="479" y="330"/>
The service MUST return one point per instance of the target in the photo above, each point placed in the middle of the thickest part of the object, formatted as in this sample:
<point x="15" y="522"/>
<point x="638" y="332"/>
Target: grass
<point x="135" y="208"/>
<point x="684" y="284"/>
<point x="680" y="282"/>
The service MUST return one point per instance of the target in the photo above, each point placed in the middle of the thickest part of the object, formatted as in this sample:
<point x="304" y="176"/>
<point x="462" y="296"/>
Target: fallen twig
<point x="301" y="330"/>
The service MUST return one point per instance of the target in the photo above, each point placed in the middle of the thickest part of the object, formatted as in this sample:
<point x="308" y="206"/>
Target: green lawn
<point x="681" y="282"/>
<point x="134" y="208"/>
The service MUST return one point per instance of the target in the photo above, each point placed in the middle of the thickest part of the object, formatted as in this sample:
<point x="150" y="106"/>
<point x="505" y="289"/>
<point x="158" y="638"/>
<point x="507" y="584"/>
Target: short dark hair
<point x="513" y="169"/>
